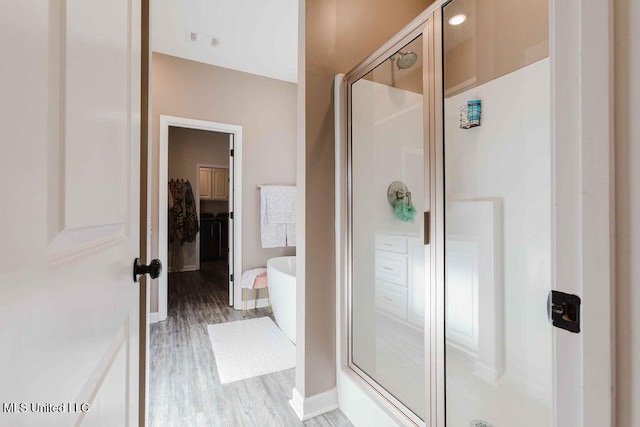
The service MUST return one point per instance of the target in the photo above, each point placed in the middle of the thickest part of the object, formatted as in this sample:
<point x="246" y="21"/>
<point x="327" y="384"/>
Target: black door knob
<point x="154" y="269"/>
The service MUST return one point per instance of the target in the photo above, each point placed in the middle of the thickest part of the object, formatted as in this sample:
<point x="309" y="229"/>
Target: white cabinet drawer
<point x="391" y="267"/>
<point x="391" y="299"/>
<point x="386" y="242"/>
<point x="205" y="183"/>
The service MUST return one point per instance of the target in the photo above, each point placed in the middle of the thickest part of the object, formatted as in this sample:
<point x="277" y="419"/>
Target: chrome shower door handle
<point x="427" y="227"/>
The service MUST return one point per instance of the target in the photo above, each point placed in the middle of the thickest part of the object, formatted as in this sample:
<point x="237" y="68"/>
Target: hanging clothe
<point x="171" y="223"/>
<point x="182" y="220"/>
<point x="191" y="224"/>
<point x="178" y="211"/>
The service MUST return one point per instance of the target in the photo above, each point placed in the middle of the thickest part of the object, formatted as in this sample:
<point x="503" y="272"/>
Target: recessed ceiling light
<point x="457" y="19"/>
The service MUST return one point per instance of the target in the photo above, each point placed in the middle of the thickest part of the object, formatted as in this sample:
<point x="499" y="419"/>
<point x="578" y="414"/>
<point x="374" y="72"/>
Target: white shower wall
<point x="387" y="129"/>
<point x="391" y="120"/>
<point x="507" y="161"/>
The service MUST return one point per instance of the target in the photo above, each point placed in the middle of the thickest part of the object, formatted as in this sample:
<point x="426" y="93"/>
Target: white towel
<point x="277" y="203"/>
<point x="281" y="204"/>
<point x="249" y="277"/>
<point x="272" y="235"/>
<point x="291" y="234"/>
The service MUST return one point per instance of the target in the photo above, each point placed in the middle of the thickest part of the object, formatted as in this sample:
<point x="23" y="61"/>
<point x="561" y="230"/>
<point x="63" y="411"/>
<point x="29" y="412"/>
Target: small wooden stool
<point x="260" y="283"/>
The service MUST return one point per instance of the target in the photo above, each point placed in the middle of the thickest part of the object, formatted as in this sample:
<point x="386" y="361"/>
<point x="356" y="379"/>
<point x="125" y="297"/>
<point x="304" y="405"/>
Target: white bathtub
<point x="281" y="275"/>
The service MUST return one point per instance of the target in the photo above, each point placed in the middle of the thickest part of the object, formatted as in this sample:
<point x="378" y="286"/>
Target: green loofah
<point x="404" y="211"/>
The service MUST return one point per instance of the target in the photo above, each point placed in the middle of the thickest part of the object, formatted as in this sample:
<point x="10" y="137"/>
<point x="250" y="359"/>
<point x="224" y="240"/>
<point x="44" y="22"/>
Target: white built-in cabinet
<point x="400" y="277"/>
<point x="214" y="183"/>
<point x="417" y="281"/>
<point x="205" y="183"/>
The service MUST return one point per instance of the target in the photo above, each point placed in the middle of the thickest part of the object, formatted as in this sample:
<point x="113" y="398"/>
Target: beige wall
<point x="264" y="107"/>
<point x="497" y="38"/>
<point x="627" y="137"/>
<point x="187" y="149"/>
<point x="339" y="34"/>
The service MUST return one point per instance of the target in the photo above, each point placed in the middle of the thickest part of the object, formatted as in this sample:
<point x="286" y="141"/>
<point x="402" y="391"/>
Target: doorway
<point x="200" y="202"/>
<point x="211" y="203"/>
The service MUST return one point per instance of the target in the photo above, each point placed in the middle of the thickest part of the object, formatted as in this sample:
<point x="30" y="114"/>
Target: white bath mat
<point x="249" y="348"/>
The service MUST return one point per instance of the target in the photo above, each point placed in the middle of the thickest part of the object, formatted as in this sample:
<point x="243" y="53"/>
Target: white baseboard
<point x="296" y="403"/>
<point x="154" y="317"/>
<point x="312" y="406"/>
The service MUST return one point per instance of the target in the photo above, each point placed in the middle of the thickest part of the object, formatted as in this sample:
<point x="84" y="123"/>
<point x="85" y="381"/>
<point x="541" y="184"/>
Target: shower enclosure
<point x="447" y="189"/>
<point x="387" y="233"/>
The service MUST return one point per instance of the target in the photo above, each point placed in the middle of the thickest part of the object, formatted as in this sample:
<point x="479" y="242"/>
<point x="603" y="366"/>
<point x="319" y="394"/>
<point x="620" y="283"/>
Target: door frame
<point x="580" y="51"/>
<point x="235" y="171"/>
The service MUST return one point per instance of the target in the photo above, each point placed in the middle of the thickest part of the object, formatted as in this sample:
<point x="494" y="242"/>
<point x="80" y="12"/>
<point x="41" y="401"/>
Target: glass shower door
<point x="497" y="213"/>
<point x="388" y="268"/>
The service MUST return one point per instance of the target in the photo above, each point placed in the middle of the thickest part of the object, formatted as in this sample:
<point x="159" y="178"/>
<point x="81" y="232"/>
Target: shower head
<point x="405" y="60"/>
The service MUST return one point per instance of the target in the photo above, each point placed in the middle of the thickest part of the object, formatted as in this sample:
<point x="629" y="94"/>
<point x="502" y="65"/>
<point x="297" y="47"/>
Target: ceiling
<point x="258" y="37"/>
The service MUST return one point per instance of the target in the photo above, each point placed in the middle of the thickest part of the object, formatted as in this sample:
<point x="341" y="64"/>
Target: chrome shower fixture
<point x="398" y="191"/>
<point x="405" y="60"/>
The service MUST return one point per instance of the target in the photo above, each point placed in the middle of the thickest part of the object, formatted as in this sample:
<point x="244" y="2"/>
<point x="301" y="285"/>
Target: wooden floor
<point x="184" y="388"/>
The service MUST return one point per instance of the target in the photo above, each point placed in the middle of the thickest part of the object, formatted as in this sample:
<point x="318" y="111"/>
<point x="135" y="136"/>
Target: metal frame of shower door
<point x="436" y="191"/>
<point x="395" y="407"/>
<point x="424" y="25"/>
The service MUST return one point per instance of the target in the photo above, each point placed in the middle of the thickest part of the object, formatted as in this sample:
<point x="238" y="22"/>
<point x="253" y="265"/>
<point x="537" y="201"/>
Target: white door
<point x="231" y="222"/>
<point x="69" y="160"/>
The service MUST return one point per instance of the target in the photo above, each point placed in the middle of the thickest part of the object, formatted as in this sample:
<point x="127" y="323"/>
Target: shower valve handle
<point x="402" y="194"/>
